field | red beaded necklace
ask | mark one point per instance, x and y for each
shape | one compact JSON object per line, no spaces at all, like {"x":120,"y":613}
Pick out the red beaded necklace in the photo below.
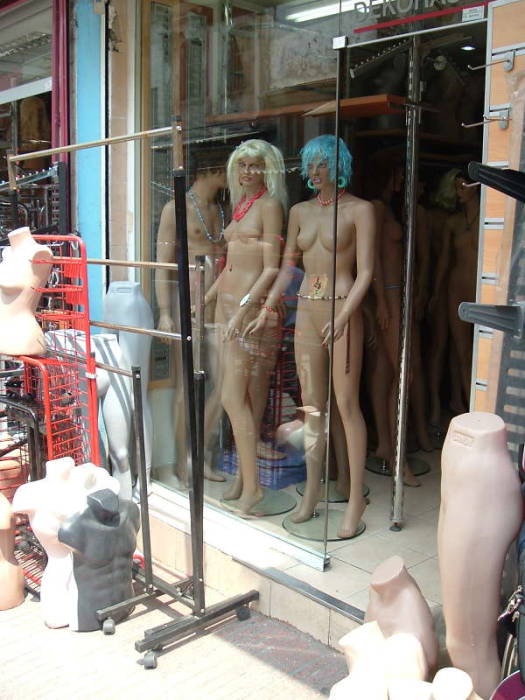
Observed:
{"x":327,"y":202}
{"x":242,"y":207}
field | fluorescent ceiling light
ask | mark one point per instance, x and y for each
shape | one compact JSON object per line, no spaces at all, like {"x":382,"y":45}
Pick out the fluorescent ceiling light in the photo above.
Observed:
{"x":326,"y":10}
{"x":468,"y":47}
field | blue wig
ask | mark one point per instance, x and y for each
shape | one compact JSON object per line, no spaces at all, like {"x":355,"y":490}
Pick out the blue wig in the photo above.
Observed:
{"x":322,"y":149}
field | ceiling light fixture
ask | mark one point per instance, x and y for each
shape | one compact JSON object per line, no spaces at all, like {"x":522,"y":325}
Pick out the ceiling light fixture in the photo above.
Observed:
{"x":468,"y":47}
{"x":310,"y":13}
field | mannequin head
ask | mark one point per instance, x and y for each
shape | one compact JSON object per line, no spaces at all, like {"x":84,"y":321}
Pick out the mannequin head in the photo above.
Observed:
{"x":445,"y":195}
{"x":322,"y":150}
{"x":259,"y":163}
{"x":208,"y":167}
{"x":464,"y":192}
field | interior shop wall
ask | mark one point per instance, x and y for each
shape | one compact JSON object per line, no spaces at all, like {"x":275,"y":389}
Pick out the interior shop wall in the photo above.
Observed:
{"x":88,"y":165}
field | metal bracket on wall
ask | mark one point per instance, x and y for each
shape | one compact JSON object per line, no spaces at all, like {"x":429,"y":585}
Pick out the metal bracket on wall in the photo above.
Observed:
{"x":503,"y":118}
{"x":507,"y":59}
{"x":339,"y":42}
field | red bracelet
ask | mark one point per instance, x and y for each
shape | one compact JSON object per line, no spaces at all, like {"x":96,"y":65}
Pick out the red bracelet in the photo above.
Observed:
{"x":270,"y":309}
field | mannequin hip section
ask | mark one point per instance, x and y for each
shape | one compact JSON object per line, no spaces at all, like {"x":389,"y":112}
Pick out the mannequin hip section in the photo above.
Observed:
{"x":313,"y":315}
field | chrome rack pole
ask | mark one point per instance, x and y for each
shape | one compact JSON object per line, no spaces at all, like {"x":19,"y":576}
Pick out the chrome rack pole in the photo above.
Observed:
{"x":412,"y":152}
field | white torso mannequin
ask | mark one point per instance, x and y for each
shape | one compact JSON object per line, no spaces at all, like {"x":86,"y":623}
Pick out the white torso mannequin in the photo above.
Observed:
{"x":48,"y":502}
{"x":114,"y":394}
{"x":21,"y":270}
{"x":480,"y":515}
{"x":11,"y":575}
{"x":125,"y":305}
{"x":397,"y":604}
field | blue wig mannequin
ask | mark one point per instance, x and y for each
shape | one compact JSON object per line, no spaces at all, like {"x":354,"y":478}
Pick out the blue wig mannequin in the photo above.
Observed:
{"x":322,"y":149}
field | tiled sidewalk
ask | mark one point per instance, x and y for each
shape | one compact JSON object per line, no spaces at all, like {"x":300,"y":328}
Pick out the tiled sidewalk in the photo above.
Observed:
{"x":259,"y":658}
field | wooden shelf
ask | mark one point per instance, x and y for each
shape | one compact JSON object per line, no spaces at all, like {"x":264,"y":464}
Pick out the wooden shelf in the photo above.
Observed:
{"x":351,"y":107}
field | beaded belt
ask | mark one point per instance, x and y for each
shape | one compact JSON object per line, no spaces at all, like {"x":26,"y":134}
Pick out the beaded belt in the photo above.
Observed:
{"x":313,"y":297}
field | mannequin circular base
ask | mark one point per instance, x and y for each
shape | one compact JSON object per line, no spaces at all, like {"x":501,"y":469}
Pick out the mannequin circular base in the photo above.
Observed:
{"x":314,"y":529}
{"x":418,"y":466}
{"x":377,"y":465}
{"x":333,"y":494}
{"x":273,"y":503}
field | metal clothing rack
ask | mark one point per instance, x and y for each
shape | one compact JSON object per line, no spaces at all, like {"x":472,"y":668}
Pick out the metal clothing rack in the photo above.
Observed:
{"x":189,"y":591}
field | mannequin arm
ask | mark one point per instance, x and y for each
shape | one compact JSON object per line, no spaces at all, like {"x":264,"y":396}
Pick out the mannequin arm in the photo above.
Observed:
{"x":378,"y":284}
{"x":364,"y":220}
{"x":423,"y":262}
{"x":443,"y":262}
{"x":166,"y":241}
{"x":284,"y":274}
{"x":272,"y":217}
{"x":212,"y":292}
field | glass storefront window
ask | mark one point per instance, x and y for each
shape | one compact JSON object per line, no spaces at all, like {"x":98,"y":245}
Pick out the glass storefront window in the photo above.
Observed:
{"x":286,"y":447}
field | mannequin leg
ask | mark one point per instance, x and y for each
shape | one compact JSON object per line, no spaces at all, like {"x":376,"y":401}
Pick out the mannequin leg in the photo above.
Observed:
{"x":381,"y":379}
{"x":117,"y":420}
{"x":311,"y":359}
{"x":461,"y":333}
{"x":181,"y":464}
{"x":337,"y":436}
{"x":346,"y":389}
{"x":236,"y":403}
{"x":439,"y":334}
{"x":213,"y":407}
{"x":417,"y":392}
{"x":480,"y":515}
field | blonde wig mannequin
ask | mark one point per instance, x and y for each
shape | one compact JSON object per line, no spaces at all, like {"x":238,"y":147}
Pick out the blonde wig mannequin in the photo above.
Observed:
{"x":273,"y":169}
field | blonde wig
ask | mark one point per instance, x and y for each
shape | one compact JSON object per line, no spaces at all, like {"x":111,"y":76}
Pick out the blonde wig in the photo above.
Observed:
{"x":273,"y":169}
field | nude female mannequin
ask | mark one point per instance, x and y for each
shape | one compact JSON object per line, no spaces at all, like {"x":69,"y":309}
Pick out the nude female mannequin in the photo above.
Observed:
{"x":310,"y":235}
{"x":458,"y":259}
{"x":205,"y":229}
{"x":387,"y":176}
{"x":125,"y":304}
{"x":49,"y":502}
{"x":11,"y":575}
{"x":480,"y":515}
{"x":397,"y":604}
{"x":25,"y":266}
{"x":255,"y":174}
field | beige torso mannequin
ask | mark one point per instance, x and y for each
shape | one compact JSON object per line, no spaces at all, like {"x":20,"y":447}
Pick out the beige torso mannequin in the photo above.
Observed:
{"x":203,"y":215}
{"x":11,"y":575}
{"x":453,"y":684}
{"x":21,"y":270}
{"x":481,"y":512}
{"x":398,"y":606}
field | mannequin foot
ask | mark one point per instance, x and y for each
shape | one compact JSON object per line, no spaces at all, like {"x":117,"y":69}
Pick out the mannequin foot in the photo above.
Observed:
{"x":351,"y":518}
{"x":409,"y":479}
{"x":248,"y":501}
{"x":380,"y":451}
{"x":235,"y":490}
{"x":342,"y":486}
{"x":266,"y":451}
{"x":212,"y":475}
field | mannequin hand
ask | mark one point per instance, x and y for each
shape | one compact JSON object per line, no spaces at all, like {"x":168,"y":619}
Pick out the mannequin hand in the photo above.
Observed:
{"x":340,"y":322}
{"x":382,"y":315}
{"x":166,"y":325}
{"x":257,"y":325}
{"x":233,"y":327}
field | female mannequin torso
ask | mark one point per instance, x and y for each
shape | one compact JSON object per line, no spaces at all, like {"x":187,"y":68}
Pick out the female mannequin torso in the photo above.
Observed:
{"x":22,"y":270}
{"x":11,"y":575}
